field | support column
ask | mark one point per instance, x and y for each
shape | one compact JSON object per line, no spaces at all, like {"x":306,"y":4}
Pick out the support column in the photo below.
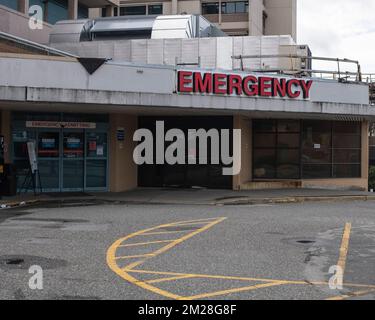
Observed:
{"x":365,"y":152}
{"x":23,"y":6}
{"x":123,"y":173}
{"x":109,"y":11}
{"x":245,"y":175}
{"x":174,"y":7}
{"x":73,"y":9}
{"x":5,"y":130}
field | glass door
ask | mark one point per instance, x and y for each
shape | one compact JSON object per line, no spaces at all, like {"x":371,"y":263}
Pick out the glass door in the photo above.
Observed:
{"x":48,"y":146}
{"x":73,"y":160}
{"x":96,"y":160}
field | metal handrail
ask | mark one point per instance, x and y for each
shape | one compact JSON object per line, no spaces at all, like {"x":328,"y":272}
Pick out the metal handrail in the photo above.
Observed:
{"x":358,"y":74}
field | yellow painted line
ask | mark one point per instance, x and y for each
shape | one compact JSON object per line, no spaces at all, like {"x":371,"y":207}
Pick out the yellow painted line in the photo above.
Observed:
{"x":168,"y":279}
{"x":195,"y":220}
{"x":163,"y":232}
{"x":344,"y":247}
{"x":111,"y":258}
{"x":354,"y":294}
{"x":210,"y":276}
{"x":135,"y":256}
{"x":144,"y":243}
{"x":235,"y":290}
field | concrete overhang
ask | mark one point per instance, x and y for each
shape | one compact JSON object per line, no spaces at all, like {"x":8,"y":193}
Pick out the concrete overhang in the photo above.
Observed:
{"x":53,"y":100}
{"x":99,"y":3}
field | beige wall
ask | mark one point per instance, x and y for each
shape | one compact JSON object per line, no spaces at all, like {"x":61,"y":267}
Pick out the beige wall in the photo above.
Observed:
{"x":122,"y":169}
{"x":282,"y":17}
{"x":256,"y":9}
{"x":240,"y":122}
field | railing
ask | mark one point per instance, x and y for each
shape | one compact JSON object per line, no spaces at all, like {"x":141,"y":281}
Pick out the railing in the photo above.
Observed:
{"x":370,"y":79}
{"x":339,"y":74}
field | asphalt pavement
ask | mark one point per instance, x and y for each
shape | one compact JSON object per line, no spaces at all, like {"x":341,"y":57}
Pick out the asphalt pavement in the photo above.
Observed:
{"x":100,"y":250}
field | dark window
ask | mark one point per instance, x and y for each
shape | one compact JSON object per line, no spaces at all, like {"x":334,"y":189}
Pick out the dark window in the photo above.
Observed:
{"x":331,"y":149}
{"x":235,"y":7}
{"x":210,"y":8}
{"x":134,"y":10}
{"x":9,"y":3}
{"x":155,"y":9}
{"x":83,"y":11}
{"x":283,"y":149}
{"x":276,"y":149}
{"x":57,"y":10}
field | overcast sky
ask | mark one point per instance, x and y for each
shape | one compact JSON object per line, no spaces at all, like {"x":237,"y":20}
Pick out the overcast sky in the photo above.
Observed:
{"x":339,"y":29}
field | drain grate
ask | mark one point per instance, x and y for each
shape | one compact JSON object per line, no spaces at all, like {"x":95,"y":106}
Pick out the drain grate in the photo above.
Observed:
{"x":306,"y":241}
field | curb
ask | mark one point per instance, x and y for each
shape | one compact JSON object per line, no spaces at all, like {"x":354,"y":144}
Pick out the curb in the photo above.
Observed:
{"x":229,"y":202}
{"x":298,"y":199}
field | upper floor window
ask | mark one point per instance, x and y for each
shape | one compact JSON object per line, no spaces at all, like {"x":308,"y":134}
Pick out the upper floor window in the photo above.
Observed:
{"x":155,"y":9}
{"x":210,"y":8}
{"x":9,"y":3}
{"x":235,"y":7}
{"x":226,"y":7}
{"x":133,"y":10}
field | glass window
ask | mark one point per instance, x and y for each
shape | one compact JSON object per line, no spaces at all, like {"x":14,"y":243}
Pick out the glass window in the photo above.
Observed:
{"x":276,"y":149}
{"x":57,"y":10}
{"x":235,"y":7}
{"x":133,"y":10}
{"x":316,"y":171}
{"x":264,"y":163}
{"x":96,"y":173}
{"x":48,"y":144}
{"x":210,"y":8}
{"x":83,"y":11}
{"x":288,"y":140}
{"x":155,"y":9}
{"x":9,"y":3}
{"x":49,"y":174}
{"x":73,"y":145}
{"x":73,"y":174}
{"x":96,"y":145}
{"x":332,"y":148}
{"x":346,"y":170}
{"x":264,"y":140}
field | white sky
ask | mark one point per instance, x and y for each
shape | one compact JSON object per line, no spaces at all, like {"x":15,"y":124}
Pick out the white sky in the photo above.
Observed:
{"x":339,"y":29}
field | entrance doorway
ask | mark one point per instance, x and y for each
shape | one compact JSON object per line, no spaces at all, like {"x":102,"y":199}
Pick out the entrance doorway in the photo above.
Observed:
{"x":69,"y":160}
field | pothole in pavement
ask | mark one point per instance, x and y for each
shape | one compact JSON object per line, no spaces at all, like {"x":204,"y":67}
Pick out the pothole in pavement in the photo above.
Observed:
{"x":306,"y":242}
{"x":25,"y":262}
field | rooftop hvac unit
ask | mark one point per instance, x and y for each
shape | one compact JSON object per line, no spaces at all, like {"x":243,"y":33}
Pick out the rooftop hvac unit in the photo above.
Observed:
{"x":296,"y":63}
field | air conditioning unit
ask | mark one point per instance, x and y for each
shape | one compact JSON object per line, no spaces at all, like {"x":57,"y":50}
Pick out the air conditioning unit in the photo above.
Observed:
{"x":293,"y":64}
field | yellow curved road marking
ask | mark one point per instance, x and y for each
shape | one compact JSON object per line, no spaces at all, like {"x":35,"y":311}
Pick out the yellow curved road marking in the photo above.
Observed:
{"x":125,"y":272}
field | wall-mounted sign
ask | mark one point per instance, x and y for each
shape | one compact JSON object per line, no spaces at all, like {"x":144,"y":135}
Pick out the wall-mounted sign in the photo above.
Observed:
{"x":246,"y":85}
{"x":120,"y":134}
{"x":60,"y":124}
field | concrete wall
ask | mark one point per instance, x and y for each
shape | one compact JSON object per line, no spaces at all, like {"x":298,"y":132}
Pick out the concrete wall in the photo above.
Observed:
{"x":17,"y":24}
{"x":282,"y":17}
{"x":256,"y":9}
{"x":123,"y":172}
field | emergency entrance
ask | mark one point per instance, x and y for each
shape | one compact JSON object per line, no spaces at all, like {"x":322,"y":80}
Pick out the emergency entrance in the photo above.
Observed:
{"x":71,"y":149}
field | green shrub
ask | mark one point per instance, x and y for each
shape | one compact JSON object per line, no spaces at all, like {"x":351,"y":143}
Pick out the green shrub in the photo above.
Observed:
{"x":371,"y":178}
